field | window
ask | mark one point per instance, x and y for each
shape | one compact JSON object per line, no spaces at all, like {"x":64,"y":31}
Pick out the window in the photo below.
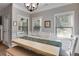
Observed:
{"x":36,"y":24}
{"x":23,"y":25}
{"x":64,"y":25}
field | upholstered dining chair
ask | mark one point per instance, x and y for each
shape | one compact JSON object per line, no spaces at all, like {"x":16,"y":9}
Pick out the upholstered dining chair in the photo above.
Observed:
{"x":71,"y":47}
{"x":74,"y":46}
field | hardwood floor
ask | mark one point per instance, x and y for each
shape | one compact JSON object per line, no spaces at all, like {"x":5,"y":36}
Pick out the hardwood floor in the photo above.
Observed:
{"x":20,"y":51}
{"x":3,"y":49}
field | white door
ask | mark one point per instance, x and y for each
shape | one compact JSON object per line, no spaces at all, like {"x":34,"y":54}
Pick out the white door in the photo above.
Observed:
{"x":5,"y":31}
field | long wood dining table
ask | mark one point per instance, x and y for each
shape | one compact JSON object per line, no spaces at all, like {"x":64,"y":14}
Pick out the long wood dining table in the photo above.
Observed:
{"x":41,"y":48}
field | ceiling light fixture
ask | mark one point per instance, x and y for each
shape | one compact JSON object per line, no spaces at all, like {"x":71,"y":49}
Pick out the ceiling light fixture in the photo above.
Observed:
{"x":31,"y":6}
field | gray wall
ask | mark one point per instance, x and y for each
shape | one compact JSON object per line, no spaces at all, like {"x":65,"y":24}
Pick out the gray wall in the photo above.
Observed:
{"x":15,"y":13}
{"x":7,"y":12}
{"x":49,"y":15}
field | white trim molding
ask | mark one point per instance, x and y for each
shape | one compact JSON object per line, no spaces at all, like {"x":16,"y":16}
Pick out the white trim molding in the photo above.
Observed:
{"x":63,"y":13}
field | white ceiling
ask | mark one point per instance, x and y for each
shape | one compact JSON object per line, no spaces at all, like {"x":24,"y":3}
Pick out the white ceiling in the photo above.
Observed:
{"x":3,"y":5}
{"x":41,"y":7}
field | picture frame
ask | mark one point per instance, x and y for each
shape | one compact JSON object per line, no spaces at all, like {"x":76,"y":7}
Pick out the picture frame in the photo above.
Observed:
{"x":47,"y":24}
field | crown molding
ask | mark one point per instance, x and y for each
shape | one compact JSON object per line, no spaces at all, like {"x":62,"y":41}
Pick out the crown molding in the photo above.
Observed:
{"x":37,"y":11}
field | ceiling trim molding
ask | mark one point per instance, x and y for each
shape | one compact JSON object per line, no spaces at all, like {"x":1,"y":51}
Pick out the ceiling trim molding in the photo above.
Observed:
{"x":18,"y":7}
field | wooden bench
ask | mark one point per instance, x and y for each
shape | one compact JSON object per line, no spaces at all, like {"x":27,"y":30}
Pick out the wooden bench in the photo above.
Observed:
{"x":19,"y":51}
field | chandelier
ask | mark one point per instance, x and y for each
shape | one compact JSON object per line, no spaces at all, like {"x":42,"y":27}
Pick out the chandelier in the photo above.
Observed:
{"x":31,"y":6}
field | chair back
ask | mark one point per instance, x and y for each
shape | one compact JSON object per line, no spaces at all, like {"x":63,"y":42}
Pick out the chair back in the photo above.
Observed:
{"x":73,"y":47}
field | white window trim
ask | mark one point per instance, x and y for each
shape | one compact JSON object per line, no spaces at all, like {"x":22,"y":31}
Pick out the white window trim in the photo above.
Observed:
{"x":38,"y":18}
{"x":63,"y":13}
{"x":26,"y":17}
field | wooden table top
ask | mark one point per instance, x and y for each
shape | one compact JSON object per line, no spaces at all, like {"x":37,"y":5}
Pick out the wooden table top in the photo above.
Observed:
{"x":37,"y":47}
{"x":19,"y":51}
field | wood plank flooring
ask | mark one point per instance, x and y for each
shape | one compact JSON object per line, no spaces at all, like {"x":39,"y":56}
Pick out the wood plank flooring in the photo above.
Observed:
{"x":3,"y":49}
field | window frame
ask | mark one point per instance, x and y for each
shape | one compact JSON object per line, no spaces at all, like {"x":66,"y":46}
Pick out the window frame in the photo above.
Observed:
{"x":60,"y":14}
{"x":64,"y":27}
{"x":36,"y":19}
